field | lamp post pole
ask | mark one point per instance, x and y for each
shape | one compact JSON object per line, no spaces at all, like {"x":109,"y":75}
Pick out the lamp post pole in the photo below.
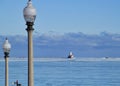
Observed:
{"x":29,"y":13}
{"x":6,"y":70}
{"x":30,"y":55}
{"x":6,"y":48}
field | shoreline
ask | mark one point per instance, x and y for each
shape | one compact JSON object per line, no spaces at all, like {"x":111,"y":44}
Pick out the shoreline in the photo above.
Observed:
{"x":62,"y":59}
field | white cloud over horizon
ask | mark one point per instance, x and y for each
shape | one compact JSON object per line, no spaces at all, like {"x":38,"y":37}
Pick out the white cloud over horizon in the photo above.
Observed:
{"x":58,"y":45}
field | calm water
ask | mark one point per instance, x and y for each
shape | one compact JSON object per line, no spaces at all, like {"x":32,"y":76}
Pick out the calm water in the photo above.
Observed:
{"x":65,"y":73}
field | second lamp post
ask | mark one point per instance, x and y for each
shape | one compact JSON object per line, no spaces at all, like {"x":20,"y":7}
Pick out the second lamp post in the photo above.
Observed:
{"x":6,"y":48}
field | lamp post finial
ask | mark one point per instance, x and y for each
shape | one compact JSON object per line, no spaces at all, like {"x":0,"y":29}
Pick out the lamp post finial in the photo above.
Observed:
{"x":6,"y":38}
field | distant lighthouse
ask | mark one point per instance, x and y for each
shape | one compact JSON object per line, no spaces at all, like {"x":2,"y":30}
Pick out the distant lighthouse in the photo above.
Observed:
{"x":70,"y":55}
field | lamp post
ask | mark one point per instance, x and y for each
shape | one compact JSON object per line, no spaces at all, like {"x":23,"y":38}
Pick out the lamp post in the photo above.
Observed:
{"x":6,"y":49}
{"x":29,"y":13}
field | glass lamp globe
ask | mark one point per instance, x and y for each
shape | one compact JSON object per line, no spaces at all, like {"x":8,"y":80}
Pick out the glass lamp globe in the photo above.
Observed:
{"x":29,"y":12}
{"x":6,"y":46}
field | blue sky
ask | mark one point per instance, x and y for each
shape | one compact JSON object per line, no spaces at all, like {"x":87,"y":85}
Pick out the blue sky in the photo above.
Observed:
{"x":62,"y":16}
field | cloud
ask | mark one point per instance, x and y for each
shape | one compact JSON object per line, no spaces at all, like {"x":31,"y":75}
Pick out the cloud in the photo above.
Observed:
{"x":103,"y":44}
{"x":53,"y":44}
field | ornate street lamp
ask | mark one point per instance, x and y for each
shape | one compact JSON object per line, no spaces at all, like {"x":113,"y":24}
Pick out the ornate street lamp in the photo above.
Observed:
{"x":6,"y":49}
{"x":29,"y":13}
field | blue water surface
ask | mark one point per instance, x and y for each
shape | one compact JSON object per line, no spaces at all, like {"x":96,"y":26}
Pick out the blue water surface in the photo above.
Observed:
{"x":64,"y":73}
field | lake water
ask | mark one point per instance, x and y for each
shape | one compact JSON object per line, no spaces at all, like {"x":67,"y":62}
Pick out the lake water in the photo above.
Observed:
{"x":64,"y":73}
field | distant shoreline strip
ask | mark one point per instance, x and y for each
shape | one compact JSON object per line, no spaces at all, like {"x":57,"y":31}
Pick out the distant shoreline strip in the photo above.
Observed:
{"x":63,"y":59}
